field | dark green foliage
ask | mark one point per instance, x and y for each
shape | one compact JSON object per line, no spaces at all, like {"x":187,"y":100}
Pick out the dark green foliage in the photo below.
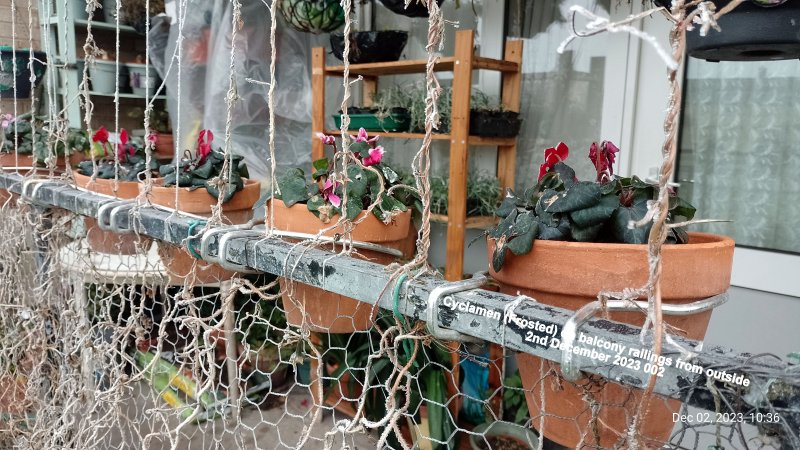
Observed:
{"x":32,"y":136}
{"x":196,"y":172}
{"x":561,"y":208}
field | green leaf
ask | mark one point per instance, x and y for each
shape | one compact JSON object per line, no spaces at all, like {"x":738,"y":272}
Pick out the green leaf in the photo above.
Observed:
{"x":320,"y":167}
{"x":293,"y":187}
{"x":357,"y":183}
{"x":388,"y":205}
{"x":559,"y":232}
{"x":681,"y":236}
{"x":596,"y":214}
{"x":204,"y":171}
{"x":314,"y":203}
{"x":585,"y":234}
{"x":680,"y":209}
{"x":166,"y":169}
{"x":354,"y":208}
{"x":624,"y":215}
{"x":504,"y":226}
{"x":389,"y":174}
{"x":581,"y":195}
{"x":551,"y":180}
{"x":522,"y":244}
{"x":509,"y":204}
{"x":565,"y":174}
{"x":499,"y":256}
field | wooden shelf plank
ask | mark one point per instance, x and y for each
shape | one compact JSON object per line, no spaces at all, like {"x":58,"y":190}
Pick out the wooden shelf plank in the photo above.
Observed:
{"x":395,"y":135}
{"x":477,"y":222}
{"x":495,"y":64}
{"x":405,"y":67}
{"x":473,"y":140}
{"x":402,"y":67}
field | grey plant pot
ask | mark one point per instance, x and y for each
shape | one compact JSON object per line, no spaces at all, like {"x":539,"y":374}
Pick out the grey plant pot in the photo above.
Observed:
{"x":525,"y":436}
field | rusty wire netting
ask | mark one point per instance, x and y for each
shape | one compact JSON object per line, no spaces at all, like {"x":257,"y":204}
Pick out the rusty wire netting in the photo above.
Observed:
{"x":106,"y":350}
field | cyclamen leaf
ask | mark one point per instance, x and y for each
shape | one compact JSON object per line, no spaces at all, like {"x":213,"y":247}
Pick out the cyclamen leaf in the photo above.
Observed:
{"x":321,"y":167}
{"x":565,"y":174}
{"x":560,"y":232}
{"x":622,"y":217}
{"x":505,"y":225}
{"x":498,"y":257}
{"x":581,"y":195}
{"x":681,"y":210}
{"x":293,"y":187}
{"x":585,"y":234}
{"x":522,"y":244}
{"x":509,"y":204}
{"x":596,"y":214}
{"x":388,"y":173}
{"x":356,"y":184}
{"x":204,"y":171}
{"x":354,"y":208}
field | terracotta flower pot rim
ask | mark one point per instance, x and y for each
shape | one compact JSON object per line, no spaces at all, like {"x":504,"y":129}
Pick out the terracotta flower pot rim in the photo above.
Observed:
{"x":706,"y":240}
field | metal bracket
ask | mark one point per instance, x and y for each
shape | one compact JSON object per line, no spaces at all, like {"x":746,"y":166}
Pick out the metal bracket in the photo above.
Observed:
{"x":477,"y":280}
{"x":114,"y":221}
{"x":104,"y":214}
{"x":222,"y":251}
{"x":208,"y":235}
{"x":570,"y":331}
{"x":31,"y":186}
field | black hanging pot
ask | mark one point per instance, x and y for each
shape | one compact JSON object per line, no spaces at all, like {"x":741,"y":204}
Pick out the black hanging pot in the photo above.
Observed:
{"x":417,"y":8}
{"x":758,"y":30}
{"x":370,"y":46}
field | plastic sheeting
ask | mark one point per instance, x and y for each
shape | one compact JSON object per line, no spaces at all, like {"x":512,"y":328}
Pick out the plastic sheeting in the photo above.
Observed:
{"x":199,"y":87}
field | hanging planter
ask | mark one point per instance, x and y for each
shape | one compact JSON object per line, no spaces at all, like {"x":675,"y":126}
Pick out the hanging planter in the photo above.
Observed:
{"x":309,"y":207}
{"x":536,"y":258}
{"x":312,"y":16}
{"x":325,"y":311}
{"x":414,"y":9}
{"x":120,"y":181}
{"x":370,"y":46}
{"x":197,"y":192}
{"x":758,"y":30}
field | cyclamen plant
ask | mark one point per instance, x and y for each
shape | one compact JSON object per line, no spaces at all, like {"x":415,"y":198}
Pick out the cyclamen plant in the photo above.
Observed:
{"x":131,"y":157}
{"x":323,"y":195}
{"x":560,"y":207}
{"x":203,"y":169}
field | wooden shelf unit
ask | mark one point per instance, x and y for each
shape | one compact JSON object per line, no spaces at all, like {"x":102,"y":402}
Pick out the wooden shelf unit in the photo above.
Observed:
{"x":461,"y":64}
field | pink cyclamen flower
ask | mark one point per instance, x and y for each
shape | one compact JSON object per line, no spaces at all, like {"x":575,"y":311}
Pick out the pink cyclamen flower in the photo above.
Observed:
{"x":152,"y":137}
{"x":8,"y":119}
{"x":329,"y":194}
{"x":374,"y":157}
{"x":326,"y":139}
{"x":552,"y":156}
{"x":362,"y":136}
{"x":204,"y":144}
{"x":603,"y":158}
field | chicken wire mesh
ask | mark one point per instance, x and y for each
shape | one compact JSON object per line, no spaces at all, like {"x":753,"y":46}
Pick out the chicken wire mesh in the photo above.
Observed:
{"x":120,"y":349}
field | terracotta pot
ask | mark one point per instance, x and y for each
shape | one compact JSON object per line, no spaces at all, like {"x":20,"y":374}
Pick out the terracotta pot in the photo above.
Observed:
{"x":325,"y":311}
{"x":165,"y":147}
{"x":570,"y":274}
{"x":181,"y":266}
{"x":108,"y":242}
{"x":12,"y":161}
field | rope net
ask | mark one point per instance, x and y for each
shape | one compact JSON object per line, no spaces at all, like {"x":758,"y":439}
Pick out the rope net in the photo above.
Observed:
{"x":118,"y":341}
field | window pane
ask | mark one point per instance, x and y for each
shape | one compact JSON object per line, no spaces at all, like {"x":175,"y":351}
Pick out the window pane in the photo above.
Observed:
{"x":740,"y":150}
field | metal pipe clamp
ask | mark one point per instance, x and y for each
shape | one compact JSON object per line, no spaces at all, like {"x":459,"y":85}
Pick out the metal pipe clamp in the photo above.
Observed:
{"x":222,"y":251}
{"x":570,"y":331}
{"x":477,"y":280}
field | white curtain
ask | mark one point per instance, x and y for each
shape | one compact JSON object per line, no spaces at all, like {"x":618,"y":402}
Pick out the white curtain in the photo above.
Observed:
{"x":562,"y":95}
{"x":740,"y":150}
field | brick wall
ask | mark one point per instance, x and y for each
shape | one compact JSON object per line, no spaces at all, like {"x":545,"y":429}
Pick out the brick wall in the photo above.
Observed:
{"x":27,"y":36}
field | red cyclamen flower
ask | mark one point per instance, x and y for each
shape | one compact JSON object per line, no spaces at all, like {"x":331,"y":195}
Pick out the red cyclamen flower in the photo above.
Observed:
{"x":552,"y":156}
{"x":603,"y":159}
{"x":101,"y":135}
{"x":204,"y":144}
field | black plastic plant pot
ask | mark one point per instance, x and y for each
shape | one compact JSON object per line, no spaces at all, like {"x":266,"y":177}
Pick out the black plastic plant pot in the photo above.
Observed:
{"x":750,"y":32}
{"x":415,"y":9}
{"x":21,"y":73}
{"x":370,"y":46}
{"x":494,"y":123}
